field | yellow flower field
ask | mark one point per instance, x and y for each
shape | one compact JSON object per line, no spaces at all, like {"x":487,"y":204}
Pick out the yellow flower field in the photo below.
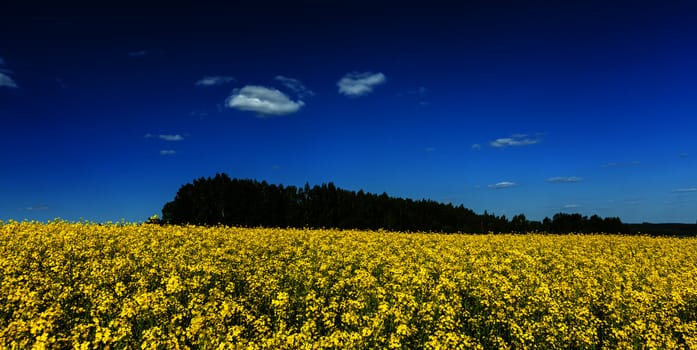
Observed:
{"x":79,"y":285}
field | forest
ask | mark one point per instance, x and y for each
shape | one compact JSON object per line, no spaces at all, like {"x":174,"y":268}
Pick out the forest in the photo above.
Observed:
{"x":221,"y":200}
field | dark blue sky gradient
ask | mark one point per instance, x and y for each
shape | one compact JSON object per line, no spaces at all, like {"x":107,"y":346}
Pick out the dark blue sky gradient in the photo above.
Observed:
{"x":510,"y":107}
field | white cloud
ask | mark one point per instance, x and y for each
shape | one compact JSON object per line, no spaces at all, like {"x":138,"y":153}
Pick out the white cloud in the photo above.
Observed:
{"x":167,"y":152}
{"x":198,"y":114}
{"x":571,"y":206}
{"x":564,"y":179}
{"x":502,"y":185}
{"x":622,"y":164}
{"x":420,"y":93}
{"x":295,"y":85}
{"x":690,"y":189}
{"x":6,"y":81}
{"x":40,"y":207}
{"x":359,"y":84}
{"x":514,"y":141}
{"x":175,"y":137}
{"x":634,"y":201}
{"x":263,"y":100}
{"x":214,"y":80}
{"x":476,"y":147}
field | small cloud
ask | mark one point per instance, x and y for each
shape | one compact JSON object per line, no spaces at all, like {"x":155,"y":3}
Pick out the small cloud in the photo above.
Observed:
{"x":634,"y":201}
{"x":214,"y":80}
{"x":6,"y":81}
{"x":564,"y":179}
{"x":684,"y":155}
{"x":571,"y":206}
{"x":263,"y":100}
{"x":167,"y":152}
{"x":622,"y":164}
{"x":502,"y":185}
{"x":140,"y":53}
{"x":430,"y":149}
{"x":358,"y":84}
{"x":420,"y":93}
{"x":39,"y":207}
{"x":295,"y":85}
{"x":515,"y":140}
{"x":61,"y":83}
{"x":198,"y":114}
{"x":176,"y":137}
{"x":476,"y":147}
{"x":684,"y":190}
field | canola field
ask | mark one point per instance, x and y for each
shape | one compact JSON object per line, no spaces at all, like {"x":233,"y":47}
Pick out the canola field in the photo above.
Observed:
{"x":87,"y":286}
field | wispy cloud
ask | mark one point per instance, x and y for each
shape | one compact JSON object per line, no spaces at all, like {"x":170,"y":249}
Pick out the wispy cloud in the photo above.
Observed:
{"x":214,"y":80}
{"x":684,"y":155}
{"x":176,"y":137}
{"x":634,"y":201}
{"x":40,"y":207}
{"x":430,"y":149}
{"x":198,"y":114}
{"x":622,"y":164}
{"x":166,"y":137}
{"x":476,"y":147}
{"x":420,"y":93}
{"x":61,"y":83}
{"x":571,"y":206}
{"x":295,"y":85}
{"x":358,"y":84}
{"x":564,"y":179}
{"x":139,"y":53}
{"x":683,"y":190}
{"x":515,"y":140}
{"x":6,"y":81}
{"x":167,"y":152}
{"x":502,"y":185}
{"x":262,"y":100}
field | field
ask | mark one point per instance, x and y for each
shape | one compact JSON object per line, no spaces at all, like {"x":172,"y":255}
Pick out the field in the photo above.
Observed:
{"x":79,"y":285}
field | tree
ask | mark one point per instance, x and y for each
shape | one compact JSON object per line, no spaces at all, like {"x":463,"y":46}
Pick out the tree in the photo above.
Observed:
{"x":519,"y":223}
{"x":241,"y":202}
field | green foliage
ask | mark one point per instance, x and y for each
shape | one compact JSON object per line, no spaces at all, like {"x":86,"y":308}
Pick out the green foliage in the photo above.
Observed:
{"x":239,"y":202}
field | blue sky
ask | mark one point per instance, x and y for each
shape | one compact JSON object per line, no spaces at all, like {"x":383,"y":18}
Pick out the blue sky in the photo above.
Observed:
{"x":509,"y":107}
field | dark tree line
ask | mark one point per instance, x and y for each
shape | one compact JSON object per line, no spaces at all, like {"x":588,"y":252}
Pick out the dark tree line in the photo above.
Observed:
{"x":236,"y":202}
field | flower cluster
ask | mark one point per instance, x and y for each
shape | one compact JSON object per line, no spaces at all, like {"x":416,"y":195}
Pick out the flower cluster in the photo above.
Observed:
{"x":81,"y":285}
